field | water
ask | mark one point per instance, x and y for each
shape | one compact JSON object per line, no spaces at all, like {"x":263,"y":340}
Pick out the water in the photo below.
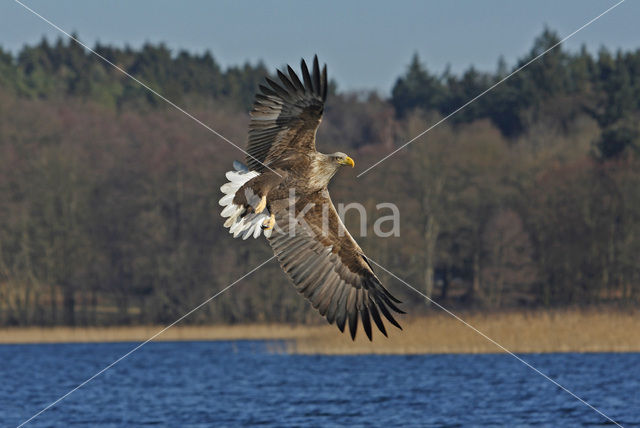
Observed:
{"x":201,"y":384}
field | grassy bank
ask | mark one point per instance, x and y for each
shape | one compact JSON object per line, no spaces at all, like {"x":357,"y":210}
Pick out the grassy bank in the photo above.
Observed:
{"x":540,"y":331}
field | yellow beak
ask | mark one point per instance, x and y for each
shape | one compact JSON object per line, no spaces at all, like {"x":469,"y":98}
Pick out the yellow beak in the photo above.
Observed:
{"x":348,"y":161}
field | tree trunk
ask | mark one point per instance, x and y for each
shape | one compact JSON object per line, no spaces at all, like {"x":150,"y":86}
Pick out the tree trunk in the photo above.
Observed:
{"x":69,"y":305}
{"x":431,"y":231}
{"x":445,"y":284}
{"x":54,"y":305}
{"x":474,"y":292}
{"x":123,"y":308}
{"x":94,"y":307}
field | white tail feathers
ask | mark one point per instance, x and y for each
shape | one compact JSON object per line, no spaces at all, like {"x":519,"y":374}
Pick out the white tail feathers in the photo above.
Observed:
{"x":250,"y":224}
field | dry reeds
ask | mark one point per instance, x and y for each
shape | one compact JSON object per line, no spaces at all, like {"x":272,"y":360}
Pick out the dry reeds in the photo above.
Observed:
{"x":539,"y":331}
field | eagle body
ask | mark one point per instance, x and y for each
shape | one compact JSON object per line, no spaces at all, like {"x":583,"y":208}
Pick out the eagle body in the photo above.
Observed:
{"x":282,"y":193}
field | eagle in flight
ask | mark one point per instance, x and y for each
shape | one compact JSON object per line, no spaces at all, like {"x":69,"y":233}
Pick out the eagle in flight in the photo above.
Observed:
{"x":282,"y":193}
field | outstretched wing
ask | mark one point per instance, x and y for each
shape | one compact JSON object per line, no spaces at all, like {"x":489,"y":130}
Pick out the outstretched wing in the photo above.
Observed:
{"x":286,"y":115}
{"x":328,"y":267}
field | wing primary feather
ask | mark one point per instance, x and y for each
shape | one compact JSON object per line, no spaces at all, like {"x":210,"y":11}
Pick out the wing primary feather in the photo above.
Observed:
{"x":377,"y":281}
{"x":306,"y":76}
{"x":284,"y":79}
{"x":387,"y":314}
{"x":316,"y":76}
{"x":366,"y":321}
{"x":364,"y":314}
{"x":324,"y":83}
{"x":376,"y":317}
{"x":267,"y":91}
{"x":294,"y":78}
{"x":391,"y":305}
{"x":279,"y":89}
{"x":388,"y":294}
{"x":353,"y":322}
{"x":340,"y":322}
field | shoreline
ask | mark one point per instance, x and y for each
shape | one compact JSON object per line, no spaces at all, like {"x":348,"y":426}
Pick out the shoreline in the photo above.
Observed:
{"x":522,"y":332}
{"x":139,"y":333}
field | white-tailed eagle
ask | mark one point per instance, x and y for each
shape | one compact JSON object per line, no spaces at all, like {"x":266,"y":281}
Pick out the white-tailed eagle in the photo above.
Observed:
{"x":282,"y":192}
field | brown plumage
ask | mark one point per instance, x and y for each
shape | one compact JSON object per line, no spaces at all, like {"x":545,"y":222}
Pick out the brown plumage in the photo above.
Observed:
{"x":310,"y":241}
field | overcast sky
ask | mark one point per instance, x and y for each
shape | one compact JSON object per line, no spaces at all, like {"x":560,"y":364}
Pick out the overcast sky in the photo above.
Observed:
{"x":365,"y":44}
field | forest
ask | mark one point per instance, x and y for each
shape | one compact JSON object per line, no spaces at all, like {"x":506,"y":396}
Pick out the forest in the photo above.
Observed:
{"x":526,"y":198}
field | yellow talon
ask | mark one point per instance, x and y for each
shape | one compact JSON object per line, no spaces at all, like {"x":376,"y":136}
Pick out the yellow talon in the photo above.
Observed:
{"x":261,"y":205}
{"x":269,"y":223}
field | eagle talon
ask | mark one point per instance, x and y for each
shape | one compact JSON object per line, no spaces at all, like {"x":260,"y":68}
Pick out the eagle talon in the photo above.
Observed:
{"x":269,"y":223}
{"x":261,"y":205}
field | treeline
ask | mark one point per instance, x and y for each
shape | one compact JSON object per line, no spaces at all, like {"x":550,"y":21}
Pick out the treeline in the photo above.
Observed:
{"x":551,"y":91}
{"x":65,"y":69}
{"x":527,"y":197}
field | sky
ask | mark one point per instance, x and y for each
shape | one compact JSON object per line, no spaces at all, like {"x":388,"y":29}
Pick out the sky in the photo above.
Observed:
{"x":366,"y":45}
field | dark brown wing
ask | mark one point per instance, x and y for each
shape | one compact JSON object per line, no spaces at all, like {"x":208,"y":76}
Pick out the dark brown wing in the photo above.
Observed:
{"x":286,"y":115}
{"x":329,"y":268}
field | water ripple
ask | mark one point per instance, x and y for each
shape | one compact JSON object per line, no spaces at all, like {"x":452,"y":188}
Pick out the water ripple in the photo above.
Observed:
{"x":240,"y":383}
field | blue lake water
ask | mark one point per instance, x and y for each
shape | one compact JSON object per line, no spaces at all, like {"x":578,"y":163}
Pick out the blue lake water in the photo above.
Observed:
{"x":201,"y":384}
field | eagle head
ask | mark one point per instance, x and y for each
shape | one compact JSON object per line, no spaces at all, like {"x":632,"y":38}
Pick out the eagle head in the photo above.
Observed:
{"x":323,"y":167}
{"x":342,"y":159}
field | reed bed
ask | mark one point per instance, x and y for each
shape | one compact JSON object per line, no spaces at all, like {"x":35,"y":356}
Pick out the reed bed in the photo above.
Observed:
{"x":540,"y":331}
{"x":522,"y":332}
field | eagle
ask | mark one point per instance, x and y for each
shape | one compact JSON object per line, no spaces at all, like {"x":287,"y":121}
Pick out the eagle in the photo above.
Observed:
{"x":282,"y":193}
